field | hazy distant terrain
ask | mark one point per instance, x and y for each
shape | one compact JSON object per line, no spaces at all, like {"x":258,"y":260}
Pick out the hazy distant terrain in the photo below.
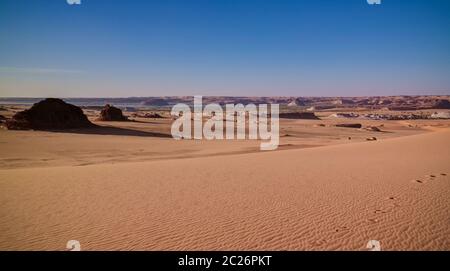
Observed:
{"x":319,"y":103}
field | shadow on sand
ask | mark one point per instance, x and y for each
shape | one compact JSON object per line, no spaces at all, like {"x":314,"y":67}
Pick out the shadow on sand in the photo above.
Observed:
{"x":107,"y":130}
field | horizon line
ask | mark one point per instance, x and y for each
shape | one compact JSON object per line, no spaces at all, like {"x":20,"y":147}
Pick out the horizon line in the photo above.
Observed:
{"x":226,"y":96}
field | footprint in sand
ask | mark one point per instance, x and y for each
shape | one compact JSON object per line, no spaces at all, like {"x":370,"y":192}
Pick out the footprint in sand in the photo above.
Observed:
{"x":340,"y":229}
{"x":379,"y":211}
{"x":443,"y":174}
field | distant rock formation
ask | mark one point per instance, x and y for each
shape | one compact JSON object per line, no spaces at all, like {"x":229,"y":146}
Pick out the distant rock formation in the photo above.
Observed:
{"x":342,"y":102}
{"x":292,"y":103}
{"x":49,"y":114}
{"x":148,"y":115}
{"x":300,"y":102}
{"x":345,"y":115}
{"x":156,"y":102}
{"x":403,"y":108}
{"x":153,"y":116}
{"x":111,"y":113}
{"x":297,"y":102}
{"x":130,"y":109}
{"x":384,"y":102}
{"x":440,"y":115}
{"x":299,"y":115}
{"x":441,"y":104}
{"x":349,"y":125}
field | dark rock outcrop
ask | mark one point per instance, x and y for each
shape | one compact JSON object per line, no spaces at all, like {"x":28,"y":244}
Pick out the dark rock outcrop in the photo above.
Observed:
{"x":299,"y":115}
{"x":349,"y":125}
{"x":111,"y":113}
{"x":49,"y":114}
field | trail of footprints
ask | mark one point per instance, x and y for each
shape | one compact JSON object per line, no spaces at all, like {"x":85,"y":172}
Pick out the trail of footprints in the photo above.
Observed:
{"x":429,"y":178}
{"x":392,"y":202}
{"x":390,"y":205}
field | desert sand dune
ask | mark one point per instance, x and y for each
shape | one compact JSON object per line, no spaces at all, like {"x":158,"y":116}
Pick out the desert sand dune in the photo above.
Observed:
{"x":333,"y":197}
{"x":150,"y":140}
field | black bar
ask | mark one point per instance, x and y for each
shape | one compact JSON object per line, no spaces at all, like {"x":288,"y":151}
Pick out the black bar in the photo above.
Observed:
{"x":263,"y":261}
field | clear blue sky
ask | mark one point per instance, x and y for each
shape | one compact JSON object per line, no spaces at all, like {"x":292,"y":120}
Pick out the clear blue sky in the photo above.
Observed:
{"x":125,"y":48}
